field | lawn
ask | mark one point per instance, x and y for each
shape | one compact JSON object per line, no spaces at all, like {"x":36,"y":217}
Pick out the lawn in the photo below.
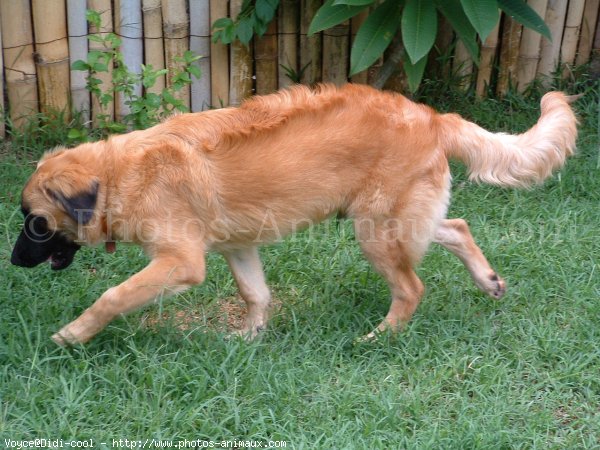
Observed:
{"x":469,"y":372}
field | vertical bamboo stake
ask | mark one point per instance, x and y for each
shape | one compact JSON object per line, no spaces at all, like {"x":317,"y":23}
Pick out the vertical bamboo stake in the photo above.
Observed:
{"x":200,"y":45}
{"x":78,"y":50}
{"x":176,"y":32}
{"x":104,"y":8}
{"x":2,"y":110}
{"x":549,"y":57}
{"x":462,"y":64}
{"x":486,"y":63}
{"x":288,"y":40}
{"x":568,"y":48}
{"x":588,"y":25}
{"x":529,"y":53}
{"x":52,"y":55}
{"x":595,"y":58}
{"x":128,"y":14}
{"x":219,"y":60}
{"x":310,"y":46}
{"x":240,"y":80}
{"x":154,"y":52}
{"x":265,"y":58}
{"x":355,"y":24}
{"x":21,"y":80}
{"x":335,"y":53}
{"x":509,"y":54}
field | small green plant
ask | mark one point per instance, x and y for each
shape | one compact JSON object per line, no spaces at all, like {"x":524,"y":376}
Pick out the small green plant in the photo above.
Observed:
{"x":254,"y":18}
{"x":294,"y":75}
{"x":144,"y":110}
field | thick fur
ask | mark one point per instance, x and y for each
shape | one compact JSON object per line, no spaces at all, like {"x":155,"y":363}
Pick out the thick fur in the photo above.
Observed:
{"x":229,"y":180}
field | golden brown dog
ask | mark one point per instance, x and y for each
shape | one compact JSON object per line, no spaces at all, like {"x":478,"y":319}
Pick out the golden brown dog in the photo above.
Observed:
{"x":229,"y":180}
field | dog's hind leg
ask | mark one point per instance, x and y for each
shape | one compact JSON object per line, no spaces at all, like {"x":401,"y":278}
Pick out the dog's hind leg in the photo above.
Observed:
{"x":394,"y":259}
{"x":248,"y":273}
{"x":166,"y":274}
{"x":454,"y":234}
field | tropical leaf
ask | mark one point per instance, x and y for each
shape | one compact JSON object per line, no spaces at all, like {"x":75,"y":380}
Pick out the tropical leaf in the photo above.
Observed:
{"x":353,"y":2}
{"x":419,"y":27}
{"x":414,"y":72}
{"x":374,"y":35}
{"x":523,"y":13}
{"x":330,"y":15}
{"x":483,"y":15}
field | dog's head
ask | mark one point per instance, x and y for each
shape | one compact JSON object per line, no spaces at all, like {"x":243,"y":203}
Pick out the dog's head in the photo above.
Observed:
{"x":58,"y":200}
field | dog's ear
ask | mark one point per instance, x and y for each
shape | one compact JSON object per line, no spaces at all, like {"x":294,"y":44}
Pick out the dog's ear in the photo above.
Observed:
{"x":75,"y":191}
{"x":80,"y":207}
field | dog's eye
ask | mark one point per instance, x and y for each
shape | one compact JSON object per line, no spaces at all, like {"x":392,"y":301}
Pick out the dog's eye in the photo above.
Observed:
{"x":36,"y":225}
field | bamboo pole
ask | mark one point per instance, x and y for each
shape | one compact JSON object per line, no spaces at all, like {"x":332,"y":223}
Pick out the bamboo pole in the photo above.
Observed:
{"x":568,"y":47}
{"x":2,"y":110}
{"x":129,"y":27}
{"x":550,"y":54}
{"x":240,"y":79}
{"x":335,"y":53}
{"x":104,"y":8}
{"x":219,"y":60}
{"x":509,"y":54}
{"x":21,"y":80}
{"x":78,"y":50}
{"x":154,"y":51}
{"x":265,"y":59}
{"x":595,"y":57}
{"x":311,"y":56}
{"x":51,"y":55}
{"x":176,"y":32}
{"x":588,"y":25}
{"x":486,"y":61}
{"x":462,"y":65}
{"x":200,"y":45}
{"x":288,"y":21}
{"x":355,"y":24}
{"x":529,"y":53}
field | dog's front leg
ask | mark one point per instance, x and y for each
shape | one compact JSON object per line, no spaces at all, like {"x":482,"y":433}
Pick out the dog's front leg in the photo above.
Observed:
{"x":248,"y":273}
{"x":165,"y":275}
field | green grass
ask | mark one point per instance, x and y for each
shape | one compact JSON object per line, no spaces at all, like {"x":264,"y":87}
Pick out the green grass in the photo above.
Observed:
{"x":469,"y":372}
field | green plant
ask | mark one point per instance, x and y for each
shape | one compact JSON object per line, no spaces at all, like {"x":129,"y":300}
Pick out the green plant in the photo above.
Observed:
{"x":144,"y":110}
{"x":414,"y":20}
{"x":294,"y":75}
{"x":254,"y":18}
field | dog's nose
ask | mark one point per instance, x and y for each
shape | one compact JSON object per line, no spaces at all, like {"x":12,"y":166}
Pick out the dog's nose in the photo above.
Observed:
{"x":15,"y":259}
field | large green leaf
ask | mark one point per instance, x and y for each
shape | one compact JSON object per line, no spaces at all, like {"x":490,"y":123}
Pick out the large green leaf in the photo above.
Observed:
{"x":414,"y":72}
{"x":483,"y":14}
{"x":374,"y":35}
{"x":330,"y":15}
{"x":452,"y":10}
{"x":522,"y":13}
{"x":353,"y":2}
{"x":419,"y":27}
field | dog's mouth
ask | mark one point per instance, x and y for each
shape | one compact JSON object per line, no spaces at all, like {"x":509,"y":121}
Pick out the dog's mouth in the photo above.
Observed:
{"x":59,"y":260}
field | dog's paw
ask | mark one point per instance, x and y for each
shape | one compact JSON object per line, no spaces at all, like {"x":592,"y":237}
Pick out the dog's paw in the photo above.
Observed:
{"x":64,"y":338}
{"x":373,"y":336}
{"x":247,"y":333}
{"x":493,"y":285}
{"x":71,"y":334}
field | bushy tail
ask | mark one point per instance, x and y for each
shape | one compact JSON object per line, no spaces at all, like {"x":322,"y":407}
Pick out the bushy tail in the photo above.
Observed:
{"x":514,"y":160}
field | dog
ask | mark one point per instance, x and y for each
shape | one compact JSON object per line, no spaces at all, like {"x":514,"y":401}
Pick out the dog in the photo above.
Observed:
{"x":229,"y":180}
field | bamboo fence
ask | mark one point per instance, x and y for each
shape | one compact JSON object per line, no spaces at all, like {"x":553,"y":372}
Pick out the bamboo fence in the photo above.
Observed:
{"x":40,"y":39}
